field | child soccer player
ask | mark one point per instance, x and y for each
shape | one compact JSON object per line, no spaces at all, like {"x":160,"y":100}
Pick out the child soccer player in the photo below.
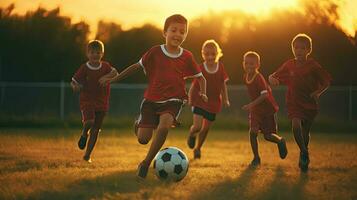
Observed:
{"x":204,"y":113}
{"x":306,"y":81}
{"x":94,"y":98}
{"x":262,"y":107}
{"x":166,"y":67}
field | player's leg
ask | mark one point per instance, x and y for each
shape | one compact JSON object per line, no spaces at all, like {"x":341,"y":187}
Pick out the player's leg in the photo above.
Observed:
{"x":145,"y":135}
{"x":269,"y":128}
{"x":254,"y":129}
{"x":202,"y":135}
{"x":306,"y":127}
{"x":87,"y":120}
{"x":194,"y":129}
{"x":147,"y":122}
{"x":253,"y":137}
{"x":298,"y":135}
{"x":165,"y":124}
{"x":93,"y":133}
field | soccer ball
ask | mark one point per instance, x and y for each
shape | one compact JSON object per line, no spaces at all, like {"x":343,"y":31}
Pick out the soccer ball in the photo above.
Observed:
{"x":171,"y":164}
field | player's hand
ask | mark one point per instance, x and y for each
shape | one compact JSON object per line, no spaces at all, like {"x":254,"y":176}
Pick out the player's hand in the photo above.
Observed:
{"x":226,"y":103}
{"x":273,"y":81}
{"x":247,"y":107}
{"x":103,"y":81}
{"x":204,"y":97}
{"x":76,"y":87}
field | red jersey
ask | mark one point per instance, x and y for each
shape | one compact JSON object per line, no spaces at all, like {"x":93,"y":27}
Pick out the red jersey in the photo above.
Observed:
{"x":214,"y":84}
{"x":167,"y":73}
{"x":259,"y":86}
{"x":92,"y":95}
{"x":301,"y":82}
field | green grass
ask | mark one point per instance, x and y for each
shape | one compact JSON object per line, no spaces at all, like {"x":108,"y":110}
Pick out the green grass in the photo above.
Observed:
{"x":46,"y":164}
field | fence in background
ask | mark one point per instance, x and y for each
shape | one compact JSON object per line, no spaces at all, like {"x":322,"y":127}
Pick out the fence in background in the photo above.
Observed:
{"x":57,"y":100}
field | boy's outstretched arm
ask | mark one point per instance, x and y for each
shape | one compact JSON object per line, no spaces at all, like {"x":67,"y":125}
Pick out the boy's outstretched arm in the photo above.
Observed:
{"x":126,"y":72}
{"x":256,"y":101}
{"x":316,"y":94}
{"x":273,"y":81}
{"x":224,"y":93}
{"x":106,"y":78}
{"x":202,"y":82}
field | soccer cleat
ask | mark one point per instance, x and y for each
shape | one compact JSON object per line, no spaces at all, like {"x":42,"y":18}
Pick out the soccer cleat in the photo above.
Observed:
{"x":283,"y":151}
{"x":142,"y":170}
{"x":82,"y":142}
{"x":255,"y":162}
{"x":191,"y":141}
{"x":87,"y":158}
{"x":196,"y":154}
{"x":304,"y":162}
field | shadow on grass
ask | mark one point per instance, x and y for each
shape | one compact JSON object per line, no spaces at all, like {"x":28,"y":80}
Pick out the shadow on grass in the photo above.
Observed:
{"x":120,"y":185}
{"x":279,"y":188}
{"x":232,"y":189}
{"x":282,"y":188}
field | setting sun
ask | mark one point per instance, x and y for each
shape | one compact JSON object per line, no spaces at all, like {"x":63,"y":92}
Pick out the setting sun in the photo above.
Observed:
{"x":137,"y":12}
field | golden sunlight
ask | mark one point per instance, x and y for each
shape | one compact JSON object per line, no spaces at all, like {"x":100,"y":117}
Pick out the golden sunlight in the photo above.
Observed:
{"x":137,"y":12}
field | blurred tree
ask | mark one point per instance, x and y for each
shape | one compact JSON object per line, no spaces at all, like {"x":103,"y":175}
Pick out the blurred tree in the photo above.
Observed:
{"x":45,"y":46}
{"x":40,"y":46}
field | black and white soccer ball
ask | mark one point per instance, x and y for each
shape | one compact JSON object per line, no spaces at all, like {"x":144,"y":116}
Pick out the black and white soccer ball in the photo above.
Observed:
{"x":171,"y":164}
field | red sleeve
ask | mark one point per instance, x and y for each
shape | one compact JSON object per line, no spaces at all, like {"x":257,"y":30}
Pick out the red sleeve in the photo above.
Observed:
{"x":225,"y":75}
{"x":108,"y":68}
{"x":261,"y":84}
{"x":282,"y":74}
{"x":321,"y":74}
{"x":80,"y":74}
{"x":192,"y":69}
{"x":145,"y":60}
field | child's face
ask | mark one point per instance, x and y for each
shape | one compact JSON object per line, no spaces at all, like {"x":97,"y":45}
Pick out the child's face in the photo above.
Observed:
{"x":175,"y":34}
{"x":94,"y":55}
{"x":300,"y":50}
{"x":209,"y":54}
{"x":250,"y":64}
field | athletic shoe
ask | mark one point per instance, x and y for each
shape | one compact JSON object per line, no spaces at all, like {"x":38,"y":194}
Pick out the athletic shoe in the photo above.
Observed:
{"x":191,"y":141}
{"x":304,"y":162}
{"x":196,"y":154}
{"x":142,"y":170}
{"x":255,"y":162}
{"x":82,"y":142}
{"x":87,"y":158}
{"x":283,"y":151}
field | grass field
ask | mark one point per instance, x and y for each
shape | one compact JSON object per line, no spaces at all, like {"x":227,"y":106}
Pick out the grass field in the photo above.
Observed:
{"x":46,"y":164}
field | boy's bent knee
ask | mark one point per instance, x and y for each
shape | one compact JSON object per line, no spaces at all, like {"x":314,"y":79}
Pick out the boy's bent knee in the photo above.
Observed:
{"x":143,"y":140}
{"x":195,"y":128}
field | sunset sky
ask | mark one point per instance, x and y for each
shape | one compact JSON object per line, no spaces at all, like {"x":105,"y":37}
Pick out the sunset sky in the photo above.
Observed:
{"x":137,"y":12}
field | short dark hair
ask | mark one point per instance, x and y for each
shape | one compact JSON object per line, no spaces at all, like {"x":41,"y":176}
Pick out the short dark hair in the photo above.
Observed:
{"x":177,"y":18}
{"x":303,"y":38}
{"x":95,"y":45}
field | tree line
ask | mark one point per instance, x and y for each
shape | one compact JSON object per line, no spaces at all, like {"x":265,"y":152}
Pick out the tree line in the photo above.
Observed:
{"x":45,"y":46}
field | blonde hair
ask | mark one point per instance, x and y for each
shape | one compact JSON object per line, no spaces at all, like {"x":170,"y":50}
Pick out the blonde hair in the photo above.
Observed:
{"x":303,"y":38}
{"x":213,"y":43}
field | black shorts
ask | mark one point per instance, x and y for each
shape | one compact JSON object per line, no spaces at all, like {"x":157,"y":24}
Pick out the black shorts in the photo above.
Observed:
{"x":205,"y":114}
{"x":150,"y":112}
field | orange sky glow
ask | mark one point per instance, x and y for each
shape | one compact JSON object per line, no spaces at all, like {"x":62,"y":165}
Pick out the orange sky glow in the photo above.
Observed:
{"x":134,"y":13}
